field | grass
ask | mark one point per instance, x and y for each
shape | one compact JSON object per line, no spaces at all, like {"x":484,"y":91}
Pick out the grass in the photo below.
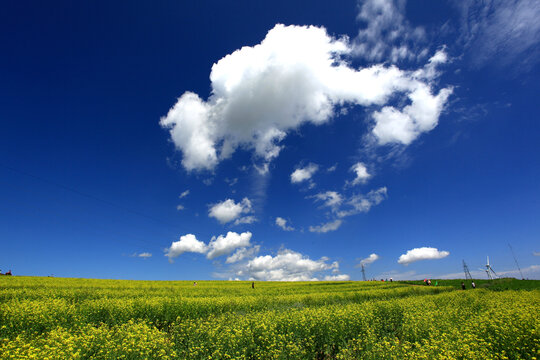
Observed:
{"x":54,"y":318}
{"x":501,"y":284}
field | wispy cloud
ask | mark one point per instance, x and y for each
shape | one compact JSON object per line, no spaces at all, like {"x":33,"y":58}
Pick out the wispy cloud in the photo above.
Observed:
{"x":386,"y":35}
{"x":331,"y":199}
{"x":501,"y":32}
{"x":282,"y":223}
{"x":326,"y":227}
{"x":361,"y":203}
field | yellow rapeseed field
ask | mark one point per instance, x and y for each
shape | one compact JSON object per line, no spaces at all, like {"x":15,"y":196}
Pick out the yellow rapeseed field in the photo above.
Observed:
{"x":48,"y":318}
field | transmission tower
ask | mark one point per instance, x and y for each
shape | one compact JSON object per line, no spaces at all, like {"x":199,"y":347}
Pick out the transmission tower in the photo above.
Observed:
{"x":466,"y":270}
{"x":364,"y":273}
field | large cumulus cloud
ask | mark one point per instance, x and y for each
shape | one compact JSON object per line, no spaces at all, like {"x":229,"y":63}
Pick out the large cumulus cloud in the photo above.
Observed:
{"x":296,"y":75}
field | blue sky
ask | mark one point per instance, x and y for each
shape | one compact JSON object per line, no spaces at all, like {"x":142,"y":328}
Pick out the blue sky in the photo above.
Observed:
{"x":269,"y":141}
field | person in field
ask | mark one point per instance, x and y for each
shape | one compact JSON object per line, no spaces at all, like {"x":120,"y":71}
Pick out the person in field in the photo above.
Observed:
{"x":473,"y":285}
{"x":253,"y":284}
{"x":462,"y":285}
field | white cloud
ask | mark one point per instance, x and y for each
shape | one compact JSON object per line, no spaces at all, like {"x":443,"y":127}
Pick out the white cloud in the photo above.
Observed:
{"x":331,"y":199}
{"x":245,"y":220}
{"x":282,"y":223}
{"x":218,"y":246}
{"x":296,"y":75}
{"x":187,"y":243}
{"x":326,"y":227}
{"x":287,"y":265}
{"x":536,"y":253}
{"x":184,"y":194}
{"x":370,"y":259}
{"x":423,"y":253}
{"x":332,"y":168}
{"x":303,"y":174}
{"x":243,"y":253}
{"x":179,"y":207}
{"x":404,"y":126}
{"x":346,"y":207}
{"x":361,"y":172}
{"x":223,"y":245}
{"x":228,"y":211}
{"x":504,"y":32}
{"x":386,"y":34}
{"x":341,"y":277}
{"x":144,"y":255}
{"x":363,"y":203}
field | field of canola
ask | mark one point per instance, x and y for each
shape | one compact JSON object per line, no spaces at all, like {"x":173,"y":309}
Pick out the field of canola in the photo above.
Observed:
{"x":49,"y":318}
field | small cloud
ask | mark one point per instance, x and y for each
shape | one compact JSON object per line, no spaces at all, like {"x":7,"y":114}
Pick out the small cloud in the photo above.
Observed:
{"x":423,"y":253}
{"x":184,"y":194}
{"x":187,"y":243}
{"x":180,"y":207}
{"x":228,"y":211}
{"x":303,"y":174}
{"x":536,"y":253}
{"x":326,"y":227}
{"x":369,"y":260}
{"x":332,"y":168}
{"x":361,"y":172}
{"x":282,"y":223}
{"x":245,"y":220}
{"x":143,"y":255}
{"x":231,"y":182}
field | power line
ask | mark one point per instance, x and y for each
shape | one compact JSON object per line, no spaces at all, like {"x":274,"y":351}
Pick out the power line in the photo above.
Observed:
{"x":514,"y":255}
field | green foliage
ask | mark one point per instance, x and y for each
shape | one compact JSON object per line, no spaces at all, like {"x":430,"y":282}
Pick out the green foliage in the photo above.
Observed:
{"x":495,"y":285}
{"x":110,"y":319}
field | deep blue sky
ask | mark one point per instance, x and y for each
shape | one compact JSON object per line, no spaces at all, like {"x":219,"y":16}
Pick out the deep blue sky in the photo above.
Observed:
{"x":89,"y":179}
